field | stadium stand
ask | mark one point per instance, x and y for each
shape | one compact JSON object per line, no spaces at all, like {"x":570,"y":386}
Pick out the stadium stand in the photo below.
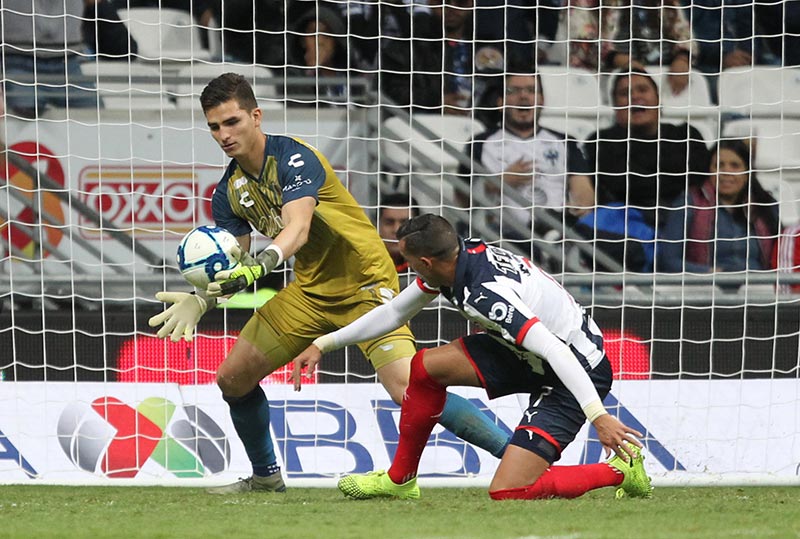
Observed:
{"x":165,"y":34}
{"x":128,"y":86}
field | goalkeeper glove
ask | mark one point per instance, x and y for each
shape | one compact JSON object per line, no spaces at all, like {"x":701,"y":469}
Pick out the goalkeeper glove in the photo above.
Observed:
{"x":245,"y":273}
{"x":182,"y":317}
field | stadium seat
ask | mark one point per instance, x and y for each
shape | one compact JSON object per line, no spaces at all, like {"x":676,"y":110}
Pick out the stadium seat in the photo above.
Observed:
{"x":693,"y":105}
{"x":164,"y":34}
{"x":572,"y":102}
{"x":760,"y":91}
{"x":697,"y":95}
{"x":408,"y":151}
{"x":777,"y":140}
{"x":128,"y":86}
{"x":784,"y":192}
{"x":199,"y":73}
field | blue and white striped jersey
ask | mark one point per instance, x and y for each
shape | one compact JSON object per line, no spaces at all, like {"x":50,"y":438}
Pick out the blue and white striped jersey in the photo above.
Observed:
{"x":507,"y":294}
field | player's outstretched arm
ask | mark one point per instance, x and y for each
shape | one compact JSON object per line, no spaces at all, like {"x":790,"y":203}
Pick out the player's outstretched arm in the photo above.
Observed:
{"x":379,"y":321}
{"x":181,"y":318}
{"x":296,"y":215}
{"x":611,"y":431}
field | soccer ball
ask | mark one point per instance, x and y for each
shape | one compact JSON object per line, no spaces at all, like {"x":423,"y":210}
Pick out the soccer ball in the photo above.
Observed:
{"x":203,"y":252}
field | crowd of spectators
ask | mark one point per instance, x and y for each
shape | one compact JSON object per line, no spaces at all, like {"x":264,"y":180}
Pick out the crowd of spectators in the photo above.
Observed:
{"x":633,"y":180}
{"x":434,"y":54}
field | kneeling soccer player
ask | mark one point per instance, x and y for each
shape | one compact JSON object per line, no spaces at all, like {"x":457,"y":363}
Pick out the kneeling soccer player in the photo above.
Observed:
{"x":538,"y":340}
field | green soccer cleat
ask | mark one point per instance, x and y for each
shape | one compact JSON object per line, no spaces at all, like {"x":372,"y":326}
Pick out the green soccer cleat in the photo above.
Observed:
{"x":254,"y":483}
{"x":377,"y":485}
{"x":636,"y":483}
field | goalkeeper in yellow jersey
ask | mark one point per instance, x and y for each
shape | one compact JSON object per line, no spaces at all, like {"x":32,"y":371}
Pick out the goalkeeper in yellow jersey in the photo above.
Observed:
{"x":287,"y":190}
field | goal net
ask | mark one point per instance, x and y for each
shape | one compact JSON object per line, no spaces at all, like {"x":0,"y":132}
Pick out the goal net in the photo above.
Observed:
{"x":645,"y":153}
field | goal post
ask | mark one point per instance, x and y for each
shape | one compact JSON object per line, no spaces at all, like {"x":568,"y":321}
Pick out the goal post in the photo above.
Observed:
{"x":108,"y":162}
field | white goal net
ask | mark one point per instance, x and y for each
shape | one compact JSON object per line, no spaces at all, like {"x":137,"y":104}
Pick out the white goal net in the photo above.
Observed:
{"x":646,"y":153}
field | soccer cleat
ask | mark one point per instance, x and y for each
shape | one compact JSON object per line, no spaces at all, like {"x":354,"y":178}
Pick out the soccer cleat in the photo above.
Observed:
{"x":254,"y":483}
{"x":636,"y":483}
{"x":377,"y":485}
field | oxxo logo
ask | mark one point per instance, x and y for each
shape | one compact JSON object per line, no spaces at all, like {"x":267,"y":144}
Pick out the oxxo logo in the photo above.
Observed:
{"x":148,"y":197}
{"x":114,"y":439}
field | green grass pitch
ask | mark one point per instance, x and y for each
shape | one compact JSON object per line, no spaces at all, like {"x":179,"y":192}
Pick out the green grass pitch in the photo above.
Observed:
{"x":157,"y":512}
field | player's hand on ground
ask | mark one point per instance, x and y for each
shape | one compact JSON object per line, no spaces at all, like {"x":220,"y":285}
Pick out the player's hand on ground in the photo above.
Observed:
{"x":308,"y":358}
{"x":181,"y":317}
{"x":614,"y":434}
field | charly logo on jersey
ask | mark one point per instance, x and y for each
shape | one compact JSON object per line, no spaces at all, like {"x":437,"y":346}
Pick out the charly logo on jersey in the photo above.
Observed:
{"x":111,"y":438}
{"x":296,"y":161}
{"x":245,"y":200}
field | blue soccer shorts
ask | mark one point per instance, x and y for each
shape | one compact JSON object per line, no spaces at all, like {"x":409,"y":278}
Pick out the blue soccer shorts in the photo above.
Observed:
{"x":553,"y":417}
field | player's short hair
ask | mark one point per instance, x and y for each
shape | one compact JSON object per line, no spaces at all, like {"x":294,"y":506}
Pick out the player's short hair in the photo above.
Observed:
{"x":226,"y":87}
{"x":429,"y":235}
{"x":400,"y":200}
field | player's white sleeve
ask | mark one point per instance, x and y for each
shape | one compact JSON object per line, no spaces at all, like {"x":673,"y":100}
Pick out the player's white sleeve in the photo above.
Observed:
{"x":378,"y":321}
{"x":543,"y":343}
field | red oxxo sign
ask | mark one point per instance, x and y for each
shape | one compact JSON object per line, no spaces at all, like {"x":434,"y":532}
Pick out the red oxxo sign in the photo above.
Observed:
{"x":150,"y":199}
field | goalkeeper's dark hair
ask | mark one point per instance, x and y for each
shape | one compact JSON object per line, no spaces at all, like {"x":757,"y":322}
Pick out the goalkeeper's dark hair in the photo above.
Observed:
{"x":430,"y":236}
{"x":226,"y":87}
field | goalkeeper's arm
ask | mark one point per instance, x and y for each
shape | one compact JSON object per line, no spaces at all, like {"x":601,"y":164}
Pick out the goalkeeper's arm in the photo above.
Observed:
{"x":181,"y":318}
{"x":296,"y":215}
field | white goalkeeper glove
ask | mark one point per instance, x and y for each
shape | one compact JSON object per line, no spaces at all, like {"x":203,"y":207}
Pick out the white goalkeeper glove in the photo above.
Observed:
{"x":245,"y":273}
{"x":182,"y":317}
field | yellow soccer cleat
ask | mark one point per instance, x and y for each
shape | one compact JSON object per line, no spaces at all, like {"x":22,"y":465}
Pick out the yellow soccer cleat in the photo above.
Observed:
{"x":636,"y":483}
{"x":377,"y":485}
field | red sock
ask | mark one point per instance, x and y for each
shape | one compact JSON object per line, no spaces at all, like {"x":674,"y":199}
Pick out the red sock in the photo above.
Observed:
{"x":564,"y":482}
{"x":423,"y":403}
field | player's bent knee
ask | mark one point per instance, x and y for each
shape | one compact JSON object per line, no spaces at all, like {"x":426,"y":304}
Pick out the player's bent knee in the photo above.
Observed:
{"x":233,"y":386}
{"x":448,"y":365}
{"x":394,"y":377}
{"x":228,"y":388}
{"x":419,"y":374}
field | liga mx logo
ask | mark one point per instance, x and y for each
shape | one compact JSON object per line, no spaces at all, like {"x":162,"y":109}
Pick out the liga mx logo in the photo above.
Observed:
{"x":116,"y":440}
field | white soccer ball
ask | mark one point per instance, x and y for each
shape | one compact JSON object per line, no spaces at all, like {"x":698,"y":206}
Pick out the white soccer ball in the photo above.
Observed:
{"x":203,"y":252}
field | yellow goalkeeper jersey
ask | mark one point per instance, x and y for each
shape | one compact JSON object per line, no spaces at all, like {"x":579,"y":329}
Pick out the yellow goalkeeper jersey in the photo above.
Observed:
{"x":344,"y":252}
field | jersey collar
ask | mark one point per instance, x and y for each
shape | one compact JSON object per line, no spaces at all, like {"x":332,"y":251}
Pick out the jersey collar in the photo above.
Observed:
{"x":263,"y":162}
{"x":456,"y":292}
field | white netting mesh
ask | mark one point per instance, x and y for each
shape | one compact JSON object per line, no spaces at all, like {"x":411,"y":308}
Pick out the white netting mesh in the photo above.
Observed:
{"x":109,"y":162}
